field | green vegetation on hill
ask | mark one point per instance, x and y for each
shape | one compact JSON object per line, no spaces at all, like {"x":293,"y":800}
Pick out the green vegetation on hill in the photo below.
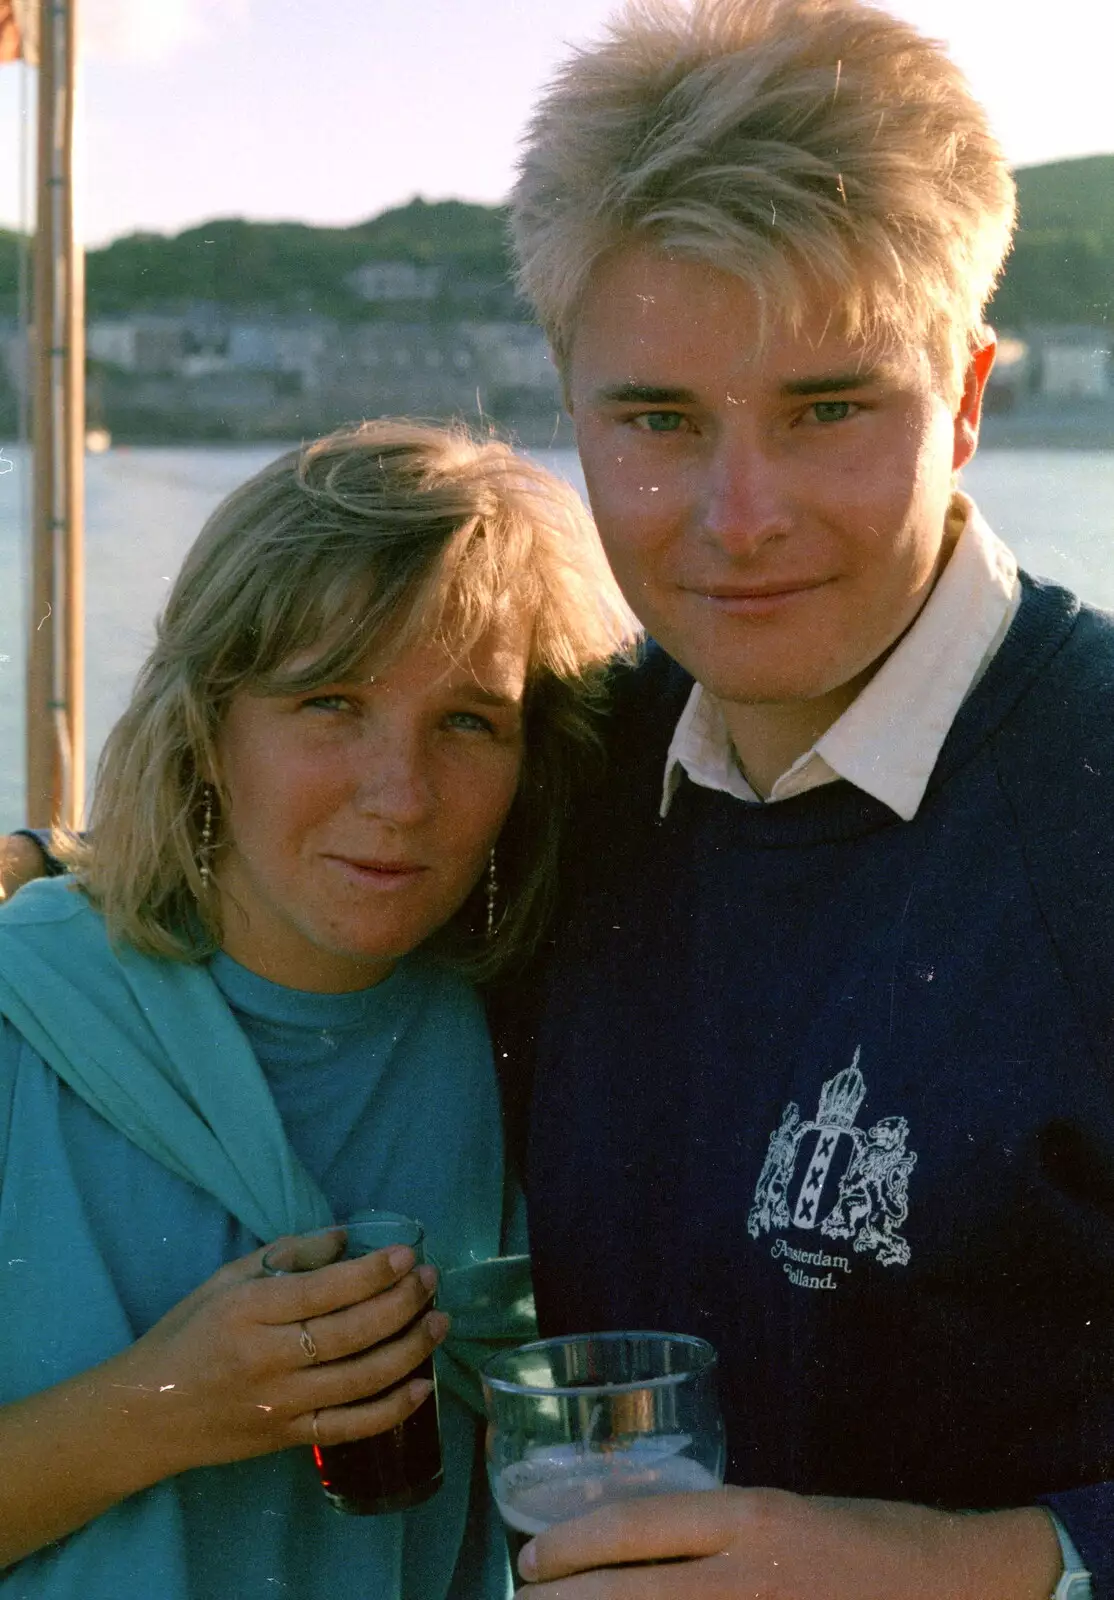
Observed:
{"x":1062,"y":268}
{"x":9,"y":269}
{"x":468,"y":238}
{"x":290,"y":266}
{"x":1069,"y":195}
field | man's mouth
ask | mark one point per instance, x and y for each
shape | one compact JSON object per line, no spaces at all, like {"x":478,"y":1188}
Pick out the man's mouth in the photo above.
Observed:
{"x":754,"y":599}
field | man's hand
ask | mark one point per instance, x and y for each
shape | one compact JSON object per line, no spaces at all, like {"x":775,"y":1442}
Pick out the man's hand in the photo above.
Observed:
{"x":763,"y":1544}
{"x":20,"y":861}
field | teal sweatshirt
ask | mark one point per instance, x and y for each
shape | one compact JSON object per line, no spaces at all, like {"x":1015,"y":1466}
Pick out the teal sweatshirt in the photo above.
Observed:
{"x":158,"y":1119}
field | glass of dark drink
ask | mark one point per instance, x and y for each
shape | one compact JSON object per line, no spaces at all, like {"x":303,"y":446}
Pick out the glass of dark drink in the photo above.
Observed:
{"x":395,"y":1470}
{"x":578,"y":1422}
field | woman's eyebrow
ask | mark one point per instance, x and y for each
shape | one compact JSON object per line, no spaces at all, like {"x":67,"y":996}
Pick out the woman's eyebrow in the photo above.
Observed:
{"x":485,"y":696}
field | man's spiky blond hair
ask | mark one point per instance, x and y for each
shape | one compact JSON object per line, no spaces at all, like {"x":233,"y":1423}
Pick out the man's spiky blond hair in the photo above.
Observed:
{"x":795,"y":143}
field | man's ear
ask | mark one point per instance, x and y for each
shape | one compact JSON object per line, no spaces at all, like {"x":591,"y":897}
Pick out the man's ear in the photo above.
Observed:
{"x":969,"y":410}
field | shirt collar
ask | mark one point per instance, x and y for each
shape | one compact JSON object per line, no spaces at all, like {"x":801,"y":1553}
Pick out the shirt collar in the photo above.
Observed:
{"x":888,"y":740}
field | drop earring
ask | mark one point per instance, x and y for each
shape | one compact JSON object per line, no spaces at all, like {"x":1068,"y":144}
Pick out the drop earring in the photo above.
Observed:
{"x":491,"y":888}
{"x":206,"y":848}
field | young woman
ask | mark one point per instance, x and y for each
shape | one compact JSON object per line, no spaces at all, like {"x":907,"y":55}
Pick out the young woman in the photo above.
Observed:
{"x":334,"y":799}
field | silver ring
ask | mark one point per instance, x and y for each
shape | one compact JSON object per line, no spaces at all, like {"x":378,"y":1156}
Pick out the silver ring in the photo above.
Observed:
{"x":316,"y":1435}
{"x":309,"y":1349}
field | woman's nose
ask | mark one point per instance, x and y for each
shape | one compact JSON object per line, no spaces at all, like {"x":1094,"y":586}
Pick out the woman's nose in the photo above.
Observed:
{"x":395,"y":782}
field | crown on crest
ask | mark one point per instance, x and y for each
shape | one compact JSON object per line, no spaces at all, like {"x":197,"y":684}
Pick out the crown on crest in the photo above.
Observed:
{"x":841,"y":1096}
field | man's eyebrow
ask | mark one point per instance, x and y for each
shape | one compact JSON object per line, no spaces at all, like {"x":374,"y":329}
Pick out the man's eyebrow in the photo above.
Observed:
{"x":653,"y":395}
{"x":832,"y":382}
{"x":645,"y":394}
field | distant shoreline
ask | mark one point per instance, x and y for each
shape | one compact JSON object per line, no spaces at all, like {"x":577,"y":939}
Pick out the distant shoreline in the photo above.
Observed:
{"x":1016,"y":431}
{"x":1075,"y":429}
{"x":998,"y":432}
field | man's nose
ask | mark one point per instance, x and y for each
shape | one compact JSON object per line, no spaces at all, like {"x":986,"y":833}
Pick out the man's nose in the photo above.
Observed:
{"x":745,"y":505}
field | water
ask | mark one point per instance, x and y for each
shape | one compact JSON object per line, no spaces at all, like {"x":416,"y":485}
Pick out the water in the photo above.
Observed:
{"x":144,"y":506}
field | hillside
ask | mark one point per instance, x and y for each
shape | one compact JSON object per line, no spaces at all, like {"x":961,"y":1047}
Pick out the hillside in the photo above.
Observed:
{"x":290,"y":266}
{"x":1062,"y":268}
{"x":287,"y":266}
{"x":1068,"y":194}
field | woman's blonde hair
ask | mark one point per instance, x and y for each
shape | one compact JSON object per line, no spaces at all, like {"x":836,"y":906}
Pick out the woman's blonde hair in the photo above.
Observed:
{"x":350,"y":549}
{"x":795,"y":143}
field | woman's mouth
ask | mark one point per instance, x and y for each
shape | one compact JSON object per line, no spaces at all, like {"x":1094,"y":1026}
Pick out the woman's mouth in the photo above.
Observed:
{"x":377,"y":872}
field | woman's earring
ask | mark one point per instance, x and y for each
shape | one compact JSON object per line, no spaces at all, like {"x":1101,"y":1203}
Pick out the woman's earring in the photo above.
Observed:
{"x":491,"y":888}
{"x":206,"y":850}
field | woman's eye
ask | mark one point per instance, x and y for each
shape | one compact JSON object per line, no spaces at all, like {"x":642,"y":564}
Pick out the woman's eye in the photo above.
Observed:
{"x":470,"y":722}
{"x":833,"y":410}
{"x":327,"y":702}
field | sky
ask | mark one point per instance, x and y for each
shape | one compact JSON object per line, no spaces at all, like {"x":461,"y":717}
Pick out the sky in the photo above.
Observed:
{"x":331,"y":112}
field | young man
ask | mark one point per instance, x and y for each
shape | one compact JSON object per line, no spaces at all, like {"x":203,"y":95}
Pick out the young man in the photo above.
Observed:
{"x":823,"y":1071}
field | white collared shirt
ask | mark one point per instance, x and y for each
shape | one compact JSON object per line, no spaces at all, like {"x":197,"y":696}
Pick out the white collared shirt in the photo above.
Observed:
{"x":888,"y":740}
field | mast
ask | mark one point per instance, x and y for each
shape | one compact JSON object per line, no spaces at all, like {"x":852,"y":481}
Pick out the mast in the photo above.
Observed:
{"x":56,"y":655}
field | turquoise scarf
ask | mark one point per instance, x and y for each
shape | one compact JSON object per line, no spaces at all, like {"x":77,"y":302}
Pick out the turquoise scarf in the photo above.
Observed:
{"x":137,"y":1037}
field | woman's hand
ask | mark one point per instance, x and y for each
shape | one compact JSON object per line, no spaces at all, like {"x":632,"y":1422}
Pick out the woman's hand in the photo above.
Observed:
{"x":248,"y":1364}
{"x":243,"y":1366}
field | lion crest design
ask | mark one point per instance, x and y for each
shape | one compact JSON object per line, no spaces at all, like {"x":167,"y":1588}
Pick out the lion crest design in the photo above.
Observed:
{"x":831,"y":1176}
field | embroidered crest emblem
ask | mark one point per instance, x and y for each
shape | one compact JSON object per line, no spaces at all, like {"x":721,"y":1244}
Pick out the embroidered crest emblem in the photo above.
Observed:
{"x":834,"y":1177}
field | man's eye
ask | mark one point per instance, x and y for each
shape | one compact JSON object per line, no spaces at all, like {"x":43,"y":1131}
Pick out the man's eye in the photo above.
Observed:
{"x":660,"y":421}
{"x":833,"y":410}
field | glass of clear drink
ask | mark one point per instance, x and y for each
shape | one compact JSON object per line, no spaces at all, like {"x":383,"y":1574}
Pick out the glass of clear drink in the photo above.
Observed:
{"x":578,"y":1422}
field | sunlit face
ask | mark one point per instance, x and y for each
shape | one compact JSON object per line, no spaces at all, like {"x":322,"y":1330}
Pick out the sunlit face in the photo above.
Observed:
{"x":774,"y":516}
{"x":360,"y":816}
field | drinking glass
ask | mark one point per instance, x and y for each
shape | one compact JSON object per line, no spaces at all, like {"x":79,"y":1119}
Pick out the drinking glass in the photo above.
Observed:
{"x":402,"y":1467}
{"x":578,"y":1422}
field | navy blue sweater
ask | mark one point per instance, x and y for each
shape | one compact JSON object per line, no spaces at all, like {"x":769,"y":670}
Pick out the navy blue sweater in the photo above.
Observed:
{"x":836,"y":1091}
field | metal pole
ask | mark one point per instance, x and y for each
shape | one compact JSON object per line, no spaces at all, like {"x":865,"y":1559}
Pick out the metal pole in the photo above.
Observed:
{"x":71,"y":682}
{"x":55,"y":665}
{"x":42,"y":755}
